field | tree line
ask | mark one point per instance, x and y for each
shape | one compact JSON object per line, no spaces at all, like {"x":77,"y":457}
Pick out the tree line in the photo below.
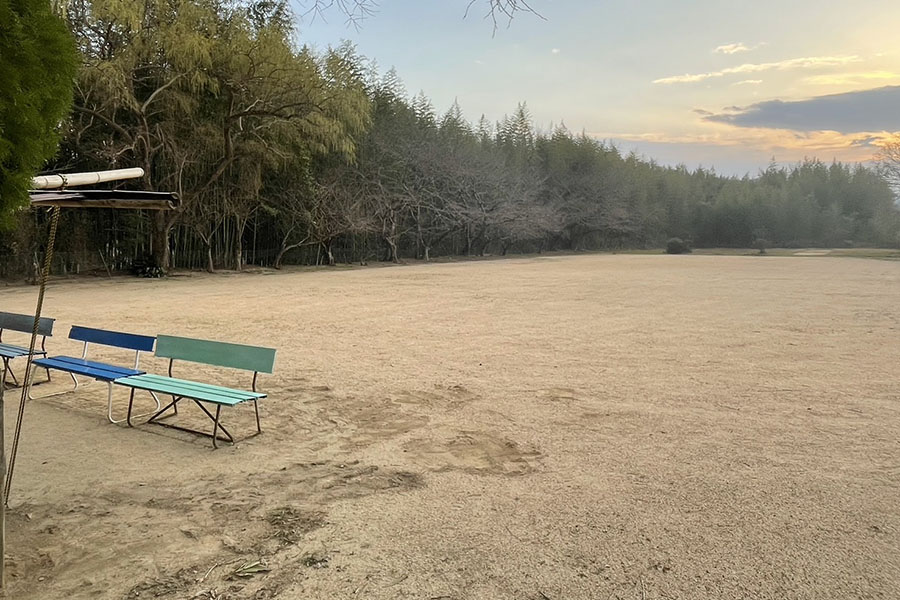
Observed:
{"x":281,"y":154}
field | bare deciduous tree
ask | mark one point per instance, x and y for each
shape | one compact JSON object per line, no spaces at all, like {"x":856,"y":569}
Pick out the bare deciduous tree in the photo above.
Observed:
{"x":498,"y":11}
{"x":889,"y":163}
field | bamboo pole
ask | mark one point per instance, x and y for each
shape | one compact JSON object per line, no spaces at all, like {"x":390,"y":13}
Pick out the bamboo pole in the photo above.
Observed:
{"x":49,"y":182}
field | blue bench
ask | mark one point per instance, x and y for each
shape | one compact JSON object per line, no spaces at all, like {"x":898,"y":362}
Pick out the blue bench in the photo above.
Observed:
{"x":221,"y":354}
{"x":23,"y":324}
{"x":99,"y":371}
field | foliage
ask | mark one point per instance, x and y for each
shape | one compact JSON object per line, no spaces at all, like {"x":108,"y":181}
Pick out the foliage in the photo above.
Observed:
{"x":889,"y":162}
{"x":677,"y":246}
{"x":37,"y":66}
{"x":209,"y":98}
{"x":285,"y":155}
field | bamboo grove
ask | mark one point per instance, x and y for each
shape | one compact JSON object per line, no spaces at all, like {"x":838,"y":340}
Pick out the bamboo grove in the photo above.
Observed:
{"x":286,"y":155}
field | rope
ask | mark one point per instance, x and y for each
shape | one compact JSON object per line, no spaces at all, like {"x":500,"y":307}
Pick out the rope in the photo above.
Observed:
{"x":26,"y":384}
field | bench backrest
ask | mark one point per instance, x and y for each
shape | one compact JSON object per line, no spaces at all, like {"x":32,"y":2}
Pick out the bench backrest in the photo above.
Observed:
{"x":220,"y":354}
{"x":129,"y":341}
{"x":25,"y":323}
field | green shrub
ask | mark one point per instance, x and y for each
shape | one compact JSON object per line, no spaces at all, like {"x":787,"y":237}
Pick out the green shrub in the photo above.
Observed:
{"x":677,"y":246}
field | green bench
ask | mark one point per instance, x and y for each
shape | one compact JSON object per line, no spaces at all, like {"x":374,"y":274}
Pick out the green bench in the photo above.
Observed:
{"x":23,"y":324}
{"x":220,"y":354}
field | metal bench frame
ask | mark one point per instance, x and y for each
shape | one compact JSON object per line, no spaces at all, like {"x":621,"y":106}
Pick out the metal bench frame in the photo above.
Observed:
{"x":23,"y":324}
{"x":157,"y":418}
{"x":115,"y":339}
{"x":171,"y":347}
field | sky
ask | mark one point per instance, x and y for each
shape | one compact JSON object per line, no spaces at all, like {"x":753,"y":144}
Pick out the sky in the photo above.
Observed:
{"x":721,"y":84}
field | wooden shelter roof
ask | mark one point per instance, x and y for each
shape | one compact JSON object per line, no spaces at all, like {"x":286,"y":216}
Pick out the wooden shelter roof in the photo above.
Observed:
{"x":78,"y":198}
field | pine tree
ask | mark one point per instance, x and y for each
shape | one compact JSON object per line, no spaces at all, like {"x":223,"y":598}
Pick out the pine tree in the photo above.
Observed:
{"x":485,"y":131}
{"x":37,"y":69}
{"x":454,"y":126}
{"x":424,"y":110}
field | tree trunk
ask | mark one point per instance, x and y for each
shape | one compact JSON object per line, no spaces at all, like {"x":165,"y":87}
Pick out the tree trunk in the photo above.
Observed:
{"x":240,"y":224}
{"x":210,"y":265}
{"x":162,"y":228}
{"x":419,"y":237}
{"x":328,"y":252}
{"x":390,"y":238}
{"x":280,"y":256}
{"x":392,"y":254}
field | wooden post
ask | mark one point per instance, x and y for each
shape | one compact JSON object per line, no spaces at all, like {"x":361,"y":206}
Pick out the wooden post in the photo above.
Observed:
{"x":2,"y":487}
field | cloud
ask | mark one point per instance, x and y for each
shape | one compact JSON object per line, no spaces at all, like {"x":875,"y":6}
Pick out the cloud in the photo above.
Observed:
{"x":741,"y":151}
{"x":873,"y":110}
{"x":812,"y":62}
{"x":555,"y":51}
{"x":748,"y":82}
{"x":687,"y":78}
{"x":851,"y":78}
{"x":790,"y":145}
{"x":732,"y":49}
{"x":868,"y":141}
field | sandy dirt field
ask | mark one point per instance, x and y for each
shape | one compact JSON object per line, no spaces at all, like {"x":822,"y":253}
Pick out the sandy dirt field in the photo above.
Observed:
{"x":634,"y":427}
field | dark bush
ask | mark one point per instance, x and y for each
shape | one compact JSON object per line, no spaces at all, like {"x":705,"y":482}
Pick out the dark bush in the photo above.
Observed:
{"x":147,"y":268}
{"x":762,"y":244}
{"x":677,"y":246}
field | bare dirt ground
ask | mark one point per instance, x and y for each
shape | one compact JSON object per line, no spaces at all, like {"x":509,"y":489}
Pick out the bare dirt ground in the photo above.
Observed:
{"x":633,"y":427}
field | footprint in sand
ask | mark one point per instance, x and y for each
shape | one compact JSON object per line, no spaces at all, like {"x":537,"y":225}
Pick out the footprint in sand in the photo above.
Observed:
{"x":474,"y":452}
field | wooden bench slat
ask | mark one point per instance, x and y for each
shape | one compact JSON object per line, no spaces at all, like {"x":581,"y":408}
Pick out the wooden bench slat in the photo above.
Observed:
{"x":118,"y":339}
{"x":221,"y":354}
{"x":25,"y":323}
{"x":206,"y":387}
{"x":189,"y":389}
{"x":12,"y":351}
{"x":78,"y":366}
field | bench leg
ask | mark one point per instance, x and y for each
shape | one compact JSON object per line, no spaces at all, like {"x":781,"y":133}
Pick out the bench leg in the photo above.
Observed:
{"x":215,"y":418}
{"x":130,"y":405}
{"x":60,"y":393}
{"x":130,"y":416}
{"x":256,"y":408}
{"x":15,"y":381}
{"x":158,"y":414}
{"x":216,"y":425}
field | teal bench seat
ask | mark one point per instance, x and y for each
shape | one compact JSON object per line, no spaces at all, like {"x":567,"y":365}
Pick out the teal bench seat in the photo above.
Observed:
{"x":221,"y":354}
{"x":193,"y":389}
{"x":99,"y":371}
